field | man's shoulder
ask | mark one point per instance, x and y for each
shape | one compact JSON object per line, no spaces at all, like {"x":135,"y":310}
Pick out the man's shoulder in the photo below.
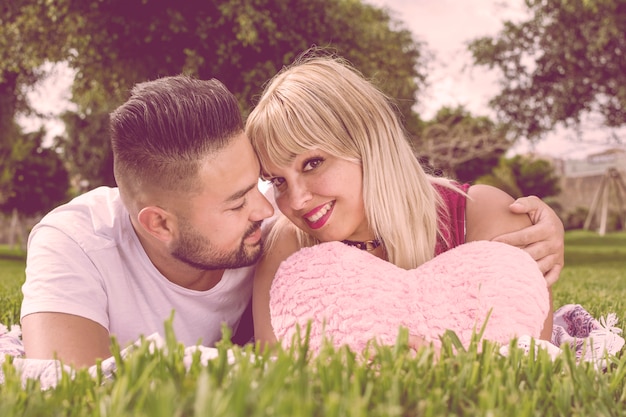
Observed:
{"x":96,"y":214}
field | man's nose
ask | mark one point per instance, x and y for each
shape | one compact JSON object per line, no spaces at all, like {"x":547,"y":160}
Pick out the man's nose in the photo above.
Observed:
{"x":263,"y":209}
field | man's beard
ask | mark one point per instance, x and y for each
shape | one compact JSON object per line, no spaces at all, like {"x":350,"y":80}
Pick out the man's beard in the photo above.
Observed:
{"x":197,"y":251}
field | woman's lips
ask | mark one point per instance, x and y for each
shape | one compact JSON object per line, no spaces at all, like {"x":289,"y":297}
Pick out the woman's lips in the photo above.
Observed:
{"x":317,"y":217}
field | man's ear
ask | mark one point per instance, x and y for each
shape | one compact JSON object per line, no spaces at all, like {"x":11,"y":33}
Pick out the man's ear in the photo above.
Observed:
{"x":157,"y":222}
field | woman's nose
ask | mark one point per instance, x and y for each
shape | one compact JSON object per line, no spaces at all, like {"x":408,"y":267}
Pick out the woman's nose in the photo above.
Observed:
{"x":299,"y":195}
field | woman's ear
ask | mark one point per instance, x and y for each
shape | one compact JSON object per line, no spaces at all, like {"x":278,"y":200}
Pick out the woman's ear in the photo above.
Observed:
{"x":157,"y":222}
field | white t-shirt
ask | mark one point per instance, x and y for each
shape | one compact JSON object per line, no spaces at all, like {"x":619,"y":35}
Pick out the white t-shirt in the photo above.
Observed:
{"x":85,"y":259}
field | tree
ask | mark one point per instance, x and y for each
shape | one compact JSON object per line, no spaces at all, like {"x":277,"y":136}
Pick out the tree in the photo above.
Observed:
{"x":113,"y":44}
{"x":86,"y":144}
{"x":567,"y":60}
{"x":40,"y":183}
{"x":242,"y":43}
{"x":460,"y":145}
{"x":29,"y":36}
{"x":524,"y":175}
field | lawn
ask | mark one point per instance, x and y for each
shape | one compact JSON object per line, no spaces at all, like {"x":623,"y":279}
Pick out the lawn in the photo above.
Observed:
{"x":476,"y":382}
{"x":11,"y":278}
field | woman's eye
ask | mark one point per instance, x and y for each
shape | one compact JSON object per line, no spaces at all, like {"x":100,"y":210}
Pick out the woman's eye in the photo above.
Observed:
{"x":312,"y":163}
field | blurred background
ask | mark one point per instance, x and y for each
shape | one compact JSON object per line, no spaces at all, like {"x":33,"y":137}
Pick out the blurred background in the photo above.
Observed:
{"x":529,"y":96}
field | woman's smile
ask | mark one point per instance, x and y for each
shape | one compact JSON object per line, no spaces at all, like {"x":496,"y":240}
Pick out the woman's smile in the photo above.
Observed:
{"x":317,"y":217}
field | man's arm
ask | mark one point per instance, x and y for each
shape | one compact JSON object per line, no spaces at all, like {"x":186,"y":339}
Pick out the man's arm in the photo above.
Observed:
{"x":74,"y":340}
{"x":543,"y":240}
{"x":489,"y":216}
{"x":62,"y":298}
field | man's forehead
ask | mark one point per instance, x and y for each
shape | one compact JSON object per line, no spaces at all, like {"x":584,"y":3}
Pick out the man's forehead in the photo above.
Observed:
{"x":232,"y":174}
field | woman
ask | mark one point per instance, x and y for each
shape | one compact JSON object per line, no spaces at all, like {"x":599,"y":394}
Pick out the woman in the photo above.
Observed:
{"x":342,"y":169}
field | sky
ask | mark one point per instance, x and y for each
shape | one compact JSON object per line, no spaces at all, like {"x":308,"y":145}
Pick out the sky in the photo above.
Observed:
{"x":445,"y":26}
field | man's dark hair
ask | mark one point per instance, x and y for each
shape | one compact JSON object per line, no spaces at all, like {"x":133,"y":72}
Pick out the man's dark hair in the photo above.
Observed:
{"x":168,"y":127}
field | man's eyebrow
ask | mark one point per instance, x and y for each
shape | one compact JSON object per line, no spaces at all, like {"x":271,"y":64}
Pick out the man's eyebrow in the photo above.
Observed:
{"x":239,"y":194}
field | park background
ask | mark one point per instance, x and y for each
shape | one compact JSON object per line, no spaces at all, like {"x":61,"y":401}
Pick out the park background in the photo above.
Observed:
{"x":481,"y":101}
{"x":529,"y":96}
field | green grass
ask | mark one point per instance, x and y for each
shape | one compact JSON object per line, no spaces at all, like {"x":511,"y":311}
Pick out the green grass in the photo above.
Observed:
{"x":594,"y":273}
{"x":11,"y":279}
{"x":395,"y":382}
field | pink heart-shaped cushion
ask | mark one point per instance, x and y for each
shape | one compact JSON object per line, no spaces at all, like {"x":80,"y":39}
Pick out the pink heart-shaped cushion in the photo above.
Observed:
{"x":352,"y":296}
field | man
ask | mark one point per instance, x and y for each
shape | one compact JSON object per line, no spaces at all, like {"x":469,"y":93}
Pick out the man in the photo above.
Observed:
{"x":180,"y":233}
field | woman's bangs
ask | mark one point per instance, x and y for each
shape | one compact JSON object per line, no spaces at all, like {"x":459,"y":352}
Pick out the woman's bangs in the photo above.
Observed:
{"x":291,"y":132}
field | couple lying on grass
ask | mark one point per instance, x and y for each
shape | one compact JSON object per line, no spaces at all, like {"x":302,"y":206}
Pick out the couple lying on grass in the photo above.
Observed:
{"x":377,"y":243}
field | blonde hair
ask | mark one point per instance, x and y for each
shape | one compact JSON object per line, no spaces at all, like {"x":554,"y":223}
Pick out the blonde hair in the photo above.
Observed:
{"x":324,"y":103}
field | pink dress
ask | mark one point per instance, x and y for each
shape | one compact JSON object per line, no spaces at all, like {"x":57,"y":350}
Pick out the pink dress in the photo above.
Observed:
{"x":454,"y":232}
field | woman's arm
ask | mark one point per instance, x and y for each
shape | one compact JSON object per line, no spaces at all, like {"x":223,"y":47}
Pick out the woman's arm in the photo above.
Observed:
{"x":284,"y":245}
{"x":488,"y":214}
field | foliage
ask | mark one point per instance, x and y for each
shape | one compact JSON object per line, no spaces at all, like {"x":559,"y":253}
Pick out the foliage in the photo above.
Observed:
{"x":86,"y":143}
{"x":575,"y":219}
{"x":241,"y":43}
{"x":461,"y":145}
{"x":12,"y":150}
{"x":40,"y":180}
{"x":394,"y":382}
{"x":566,"y":60}
{"x":524,"y":175}
{"x":8,"y":132}
{"x":113,"y":44}
{"x":30,"y":35}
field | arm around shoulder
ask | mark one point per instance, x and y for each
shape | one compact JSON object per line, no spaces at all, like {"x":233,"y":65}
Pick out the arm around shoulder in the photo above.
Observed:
{"x":544,"y":240}
{"x":488,"y":214}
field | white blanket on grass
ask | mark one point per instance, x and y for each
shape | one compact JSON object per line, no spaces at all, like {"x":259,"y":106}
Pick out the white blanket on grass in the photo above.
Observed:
{"x":49,"y":371}
{"x":592,"y":340}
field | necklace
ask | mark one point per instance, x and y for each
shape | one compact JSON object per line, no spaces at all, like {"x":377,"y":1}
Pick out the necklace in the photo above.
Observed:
{"x":368,"y":245}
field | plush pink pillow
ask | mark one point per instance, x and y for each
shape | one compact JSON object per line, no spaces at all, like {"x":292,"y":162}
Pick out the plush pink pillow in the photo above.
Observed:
{"x":352,"y":296}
